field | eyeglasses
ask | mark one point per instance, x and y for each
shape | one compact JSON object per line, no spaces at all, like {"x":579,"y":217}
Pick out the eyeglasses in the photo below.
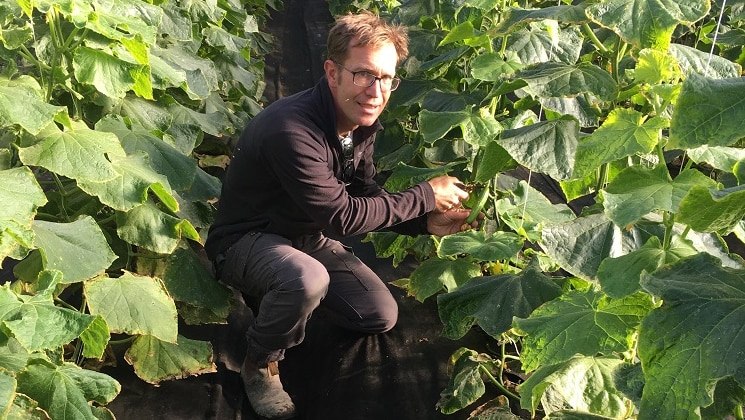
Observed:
{"x":347,"y":149}
{"x":365,"y":79}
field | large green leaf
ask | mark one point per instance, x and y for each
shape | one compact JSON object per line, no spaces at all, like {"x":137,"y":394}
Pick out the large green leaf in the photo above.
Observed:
{"x":7,"y":393}
{"x":34,"y":115}
{"x":155,"y":360}
{"x":79,"y":153}
{"x":498,"y":246}
{"x":188,"y":281}
{"x":620,"y":276}
{"x":434,"y":274}
{"x":66,"y":391}
{"x":637,"y":191}
{"x":580,"y":245}
{"x":119,"y":19}
{"x":164,"y":158}
{"x":708,"y":112}
{"x":491,"y":67}
{"x":647,"y":23}
{"x":37,"y":323}
{"x":582,"y":383}
{"x":201,"y":76}
{"x":625,"y":132}
{"x":79,"y":249}
{"x":709,"y":210}
{"x":21,"y":195}
{"x":562,"y":80}
{"x":477,"y":128}
{"x":491,"y":302}
{"x":692,"y":60}
{"x":547,"y":147}
{"x":133,"y":305}
{"x":516,"y":17}
{"x":584,"y":322}
{"x":149,"y":227}
{"x":111,"y":75}
{"x":405,"y":176}
{"x":538,"y":45}
{"x":695,"y":339}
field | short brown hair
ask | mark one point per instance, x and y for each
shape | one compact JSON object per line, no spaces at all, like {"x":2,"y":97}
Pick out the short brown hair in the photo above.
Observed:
{"x":365,"y":28}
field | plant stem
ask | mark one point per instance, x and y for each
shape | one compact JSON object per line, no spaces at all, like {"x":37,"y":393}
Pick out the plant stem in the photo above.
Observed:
{"x":602,"y":177}
{"x":595,"y":41}
{"x":498,"y":384}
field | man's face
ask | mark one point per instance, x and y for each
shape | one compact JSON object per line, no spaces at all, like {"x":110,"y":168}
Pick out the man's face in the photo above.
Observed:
{"x":360,"y":105}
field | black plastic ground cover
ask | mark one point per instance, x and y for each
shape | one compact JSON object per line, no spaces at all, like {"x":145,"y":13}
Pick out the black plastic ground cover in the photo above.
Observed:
{"x":333,"y":375}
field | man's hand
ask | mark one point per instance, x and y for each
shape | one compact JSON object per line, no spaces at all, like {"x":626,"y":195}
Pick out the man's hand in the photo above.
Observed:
{"x":448,"y":191}
{"x":450,"y":221}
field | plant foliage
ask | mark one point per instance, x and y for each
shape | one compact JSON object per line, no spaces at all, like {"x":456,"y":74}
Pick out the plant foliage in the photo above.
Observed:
{"x":625,"y":302}
{"x":113,"y":117}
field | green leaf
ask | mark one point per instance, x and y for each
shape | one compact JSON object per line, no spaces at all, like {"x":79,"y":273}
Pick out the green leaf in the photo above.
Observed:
{"x":582,"y":383}
{"x":434,"y":274}
{"x":35,"y":114}
{"x":646,"y":23}
{"x":695,"y":339}
{"x":491,"y":302}
{"x":477,"y":128}
{"x":620,"y":276}
{"x":78,"y":249}
{"x":709,"y":210}
{"x":37,"y":323}
{"x":585,"y":322}
{"x":79,"y":153}
{"x":465,"y":385}
{"x":133,"y":305}
{"x":405,"y":176}
{"x":201,"y":76}
{"x":723,"y":158}
{"x":692,"y":60}
{"x":624,"y":133}
{"x":187,"y":280}
{"x":528,"y":210}
{"x":110,"y":75}
{"x":118,"y":19}
{"x":708,"y":112}
{"x":65,"y":391}
{"x":547,"y":147}
{"x":95,"y":338}
{"x":636,"y":191}
{"x":21,"y":195}
{"x":155,"y":361}
{"x":498,"y":246}
{"x":515,"y":16}
{"x":538,"y":45}
{"x":149,"y":227}
{"x":491,"y":67}
{"x":580,"y":245}
{"x":562,"y":80}
{"x":132,"y":187}
{"x":7,"y":393}
{"x":461,"y":32}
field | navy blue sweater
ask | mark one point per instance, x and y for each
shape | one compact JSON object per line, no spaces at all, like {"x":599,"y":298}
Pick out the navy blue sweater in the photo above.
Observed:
{"x":285,"y":177}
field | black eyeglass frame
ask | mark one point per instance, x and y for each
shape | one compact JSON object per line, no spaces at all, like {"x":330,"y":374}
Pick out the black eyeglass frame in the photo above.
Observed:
{"x":395,"y":82}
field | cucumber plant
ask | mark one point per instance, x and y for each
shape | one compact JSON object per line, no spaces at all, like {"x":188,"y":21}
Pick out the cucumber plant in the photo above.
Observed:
{"x":114,"y":117}
{"x":626,"y":304}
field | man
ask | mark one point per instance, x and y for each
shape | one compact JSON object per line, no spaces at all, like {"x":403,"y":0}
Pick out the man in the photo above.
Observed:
{"x":304,"y":166}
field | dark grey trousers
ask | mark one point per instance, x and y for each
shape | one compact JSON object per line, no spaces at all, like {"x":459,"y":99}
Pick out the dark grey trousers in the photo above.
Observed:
{"x":293,"y":278}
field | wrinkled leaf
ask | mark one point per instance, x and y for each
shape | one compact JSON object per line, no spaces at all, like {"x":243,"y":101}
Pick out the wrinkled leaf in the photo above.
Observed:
{"x":584,"y":322}
{"x":155,"y":361}
{"x":498,"y":246}
{"x":133,"y":305}
{"x":709,"y":210}
{"x":694,"y":339}
{"x":492,"y":301}
{"x":434,"y":274}
{"x":149,"y":227}
{"x":582,"y":383}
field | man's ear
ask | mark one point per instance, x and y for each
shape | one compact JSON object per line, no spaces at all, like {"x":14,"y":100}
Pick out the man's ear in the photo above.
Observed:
{"x":332,"y":72}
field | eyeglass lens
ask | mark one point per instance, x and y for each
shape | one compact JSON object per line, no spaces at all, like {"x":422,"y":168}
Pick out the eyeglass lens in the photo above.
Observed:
{"x":365,"y":79}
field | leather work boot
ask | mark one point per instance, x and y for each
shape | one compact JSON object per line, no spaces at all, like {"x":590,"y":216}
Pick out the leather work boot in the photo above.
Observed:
{"x":264,"y":391}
